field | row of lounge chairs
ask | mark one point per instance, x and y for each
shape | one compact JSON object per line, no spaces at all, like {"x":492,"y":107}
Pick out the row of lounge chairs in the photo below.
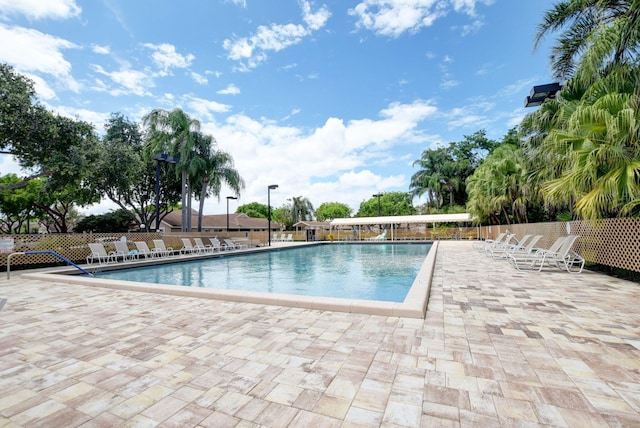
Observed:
{"x":283,"y":237}
{"x":123,"y":253}
{"x":524,"y":254}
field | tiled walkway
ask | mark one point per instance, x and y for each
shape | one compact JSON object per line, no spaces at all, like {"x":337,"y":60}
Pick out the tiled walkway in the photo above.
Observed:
{"x":498,"y":348}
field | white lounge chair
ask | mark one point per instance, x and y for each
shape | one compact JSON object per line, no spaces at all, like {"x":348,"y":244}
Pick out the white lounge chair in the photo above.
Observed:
{"x":161,"y":249}
{"x":143,"y":250}
{"x":99,"y":253}
{"x":518,"y":246}
{"x":122,"y":251}
{"x":215,"y":244}
{"x":187,"y":246}
{"x":482,"y":245}
{"x":201,"y":247}
{"x":289,"y":237}
{"x":560,"y":255}
{"x":380,"y":237}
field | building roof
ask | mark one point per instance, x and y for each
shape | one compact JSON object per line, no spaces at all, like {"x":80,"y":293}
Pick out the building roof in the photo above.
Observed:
{"x":219,"y":221}
{"x":310,"y":224}
{"x":430,"y":218}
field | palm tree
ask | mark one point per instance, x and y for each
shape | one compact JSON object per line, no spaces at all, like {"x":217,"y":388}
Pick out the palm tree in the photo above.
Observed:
{"x":599,"y":36}
{"x":210,"y":169}
{"x":301,"y":209}
{"x":600,"y":145}
{"x":174,"y":132}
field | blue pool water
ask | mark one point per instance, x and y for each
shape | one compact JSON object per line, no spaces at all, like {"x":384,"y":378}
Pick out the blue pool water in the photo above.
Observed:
{"x":370,"y":272}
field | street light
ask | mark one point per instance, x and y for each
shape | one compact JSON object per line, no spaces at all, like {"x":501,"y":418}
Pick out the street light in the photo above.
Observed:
{"x":229,"y":197}
{"x":269,"y":189}
{"x":160,"y":157}
{"x":377,"y":195}
{"x":540,"y":93}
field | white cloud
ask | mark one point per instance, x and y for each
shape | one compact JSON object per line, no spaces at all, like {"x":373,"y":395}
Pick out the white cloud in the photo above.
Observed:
{"x":129,"y":81}
{"x":252,"y":51}
{"x":336,"y":158}
{"x":205,"y":108}
{"x":35,"y":53}
{"x":102,"y":50}
{"x":229,"y":90}
{"x":165,"y":57}
{"x":395,"y":17}
{"x":199,"y":78}
{"x":39,"y":9}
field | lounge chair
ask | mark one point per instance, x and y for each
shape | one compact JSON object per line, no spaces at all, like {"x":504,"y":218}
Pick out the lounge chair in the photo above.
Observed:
{"x":499,"y":245}
{"x":201,"y":247}
{"x":380,"y":237}
{"x":482,"y":245}
{"x":275,"y":238}
{"x":527,"y":249}
{"x":160,"y":249}
{"x":122,"y":251}
{"x":99,"y":253}
{"x":229,"y":245}
{"x":560,"y":255}
{"x":497,"y":251}
{"x":289,"y":237}
{"x":215,"y":244}
{"x":143,"y":250}
{"x":187,"y":247}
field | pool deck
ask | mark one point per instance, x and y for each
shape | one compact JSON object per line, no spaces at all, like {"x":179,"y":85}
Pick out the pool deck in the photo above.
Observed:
{"x":498,"y":347}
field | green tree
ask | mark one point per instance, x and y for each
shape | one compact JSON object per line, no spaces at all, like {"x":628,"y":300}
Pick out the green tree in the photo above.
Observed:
{"x":127,"y":176}
{"x":174,"y":132}
{"x":254,"y":209}
{"x":332,"y":210}
{"x":210,"y":169}
{"x":16,"y":205}
{"x":444,"y":170}
{"x":391,"y":204}
{"x":114,"y":221}
{"x":598,"y":36}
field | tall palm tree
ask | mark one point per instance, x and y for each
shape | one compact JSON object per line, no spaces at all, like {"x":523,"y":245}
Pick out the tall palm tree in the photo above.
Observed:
{"x":174,"y":132}
{"x":600,"y":145}
{"x":211,"y":169}
{"x":599,"y":35}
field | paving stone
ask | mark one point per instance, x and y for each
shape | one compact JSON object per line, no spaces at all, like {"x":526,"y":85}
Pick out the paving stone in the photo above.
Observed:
{"x":497,"y":347}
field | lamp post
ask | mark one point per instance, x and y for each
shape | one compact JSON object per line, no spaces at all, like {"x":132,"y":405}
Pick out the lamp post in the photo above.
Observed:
{"x":269,"y":189}
{"x":540,"y":93}
{"x":377,"y":195}
{"x":160,"y":157}
{"x":229,"y":197}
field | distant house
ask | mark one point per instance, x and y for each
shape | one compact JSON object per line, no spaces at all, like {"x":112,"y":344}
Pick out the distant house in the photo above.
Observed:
{"x":312,"y":225}
{"x":217,"y":223}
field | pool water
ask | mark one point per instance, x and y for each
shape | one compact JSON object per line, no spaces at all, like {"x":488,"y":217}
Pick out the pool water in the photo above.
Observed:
{"x":369,"y":271}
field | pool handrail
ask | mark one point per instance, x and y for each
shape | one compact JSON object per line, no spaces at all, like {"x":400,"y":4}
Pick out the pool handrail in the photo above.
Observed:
{"x":53,"y":253}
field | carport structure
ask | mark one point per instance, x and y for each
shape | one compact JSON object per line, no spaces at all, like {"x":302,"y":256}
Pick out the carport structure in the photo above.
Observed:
{"x":340,"y":223}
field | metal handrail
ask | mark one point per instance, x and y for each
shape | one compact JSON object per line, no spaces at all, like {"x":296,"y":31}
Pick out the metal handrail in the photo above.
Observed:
{"x":53,"y":253}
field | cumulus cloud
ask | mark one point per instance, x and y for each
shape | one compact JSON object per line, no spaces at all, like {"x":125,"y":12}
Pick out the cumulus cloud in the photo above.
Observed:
{"x":198,"y":78}
{"x":229,"y":90}
{"x":33,"y":52}
{"x":128,"y":81}
{"x":165,"y":57}
{"x":252,"y":51}
{"x":339,"y":156}
{"x":39,"y":9}
{"x":205,"y":108}
{"x":395,"y":17}
{"x":101,"y":50}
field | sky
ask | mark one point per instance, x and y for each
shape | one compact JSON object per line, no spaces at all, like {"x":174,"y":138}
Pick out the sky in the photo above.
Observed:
{"x":330,"y":100}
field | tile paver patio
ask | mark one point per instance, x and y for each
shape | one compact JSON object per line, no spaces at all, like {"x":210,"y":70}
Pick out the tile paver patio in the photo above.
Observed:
{"x":498,"y":347}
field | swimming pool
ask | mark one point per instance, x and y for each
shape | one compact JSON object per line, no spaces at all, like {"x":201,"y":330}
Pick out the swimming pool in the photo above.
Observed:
{"x":382,"y":272}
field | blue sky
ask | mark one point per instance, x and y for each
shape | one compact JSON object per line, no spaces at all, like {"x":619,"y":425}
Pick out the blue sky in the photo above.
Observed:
{"x":330,"y":100}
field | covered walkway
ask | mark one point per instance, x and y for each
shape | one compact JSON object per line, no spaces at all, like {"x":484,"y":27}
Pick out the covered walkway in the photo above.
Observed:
{"x":393,"y":222}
